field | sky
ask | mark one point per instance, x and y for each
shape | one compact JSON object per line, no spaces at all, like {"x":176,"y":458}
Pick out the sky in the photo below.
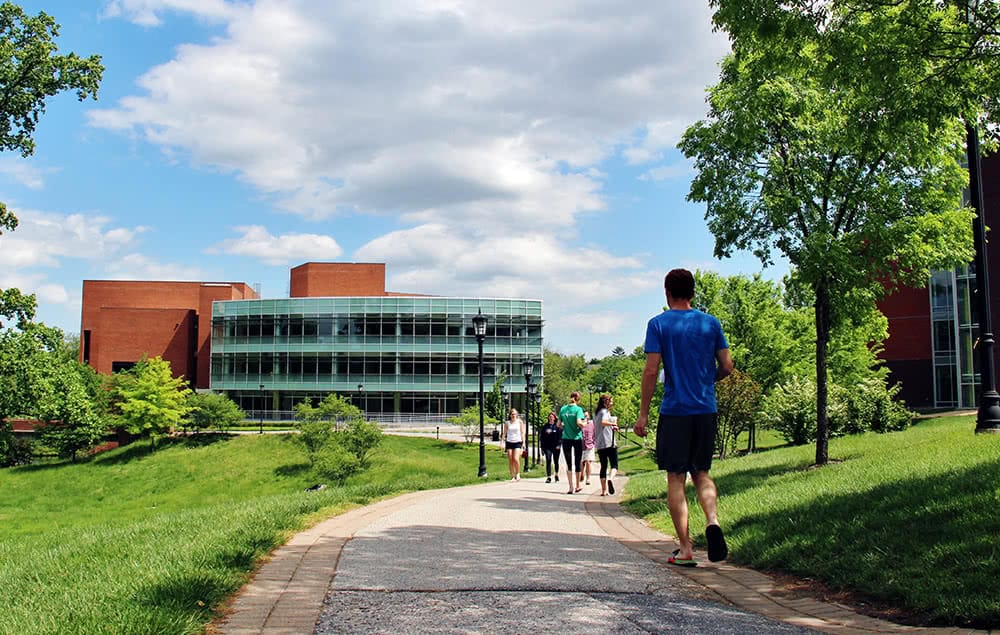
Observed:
{"x":485,"y":148}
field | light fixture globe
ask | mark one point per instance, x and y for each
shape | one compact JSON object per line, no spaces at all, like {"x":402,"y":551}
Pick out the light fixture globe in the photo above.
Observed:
{"x":479,"y":324}
{"x":528,"y":368}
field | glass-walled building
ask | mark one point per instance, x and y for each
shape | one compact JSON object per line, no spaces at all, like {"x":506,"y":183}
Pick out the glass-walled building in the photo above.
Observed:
{"x":955,"y":326}
{"x":387,"y":354}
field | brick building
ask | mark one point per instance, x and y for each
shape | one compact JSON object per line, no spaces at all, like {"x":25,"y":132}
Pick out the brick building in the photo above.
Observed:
{"x":933,"y":330}
{"x":339,"y":331}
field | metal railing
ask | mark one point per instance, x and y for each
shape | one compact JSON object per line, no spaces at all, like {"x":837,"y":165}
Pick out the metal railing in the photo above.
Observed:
{"x":384,"y":419}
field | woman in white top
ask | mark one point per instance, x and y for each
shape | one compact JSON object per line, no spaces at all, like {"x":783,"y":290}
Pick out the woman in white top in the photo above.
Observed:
{"x":513,"y":435}
{"x":604,"y":438}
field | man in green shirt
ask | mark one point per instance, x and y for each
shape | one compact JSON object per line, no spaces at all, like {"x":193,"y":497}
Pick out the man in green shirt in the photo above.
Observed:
{"x":570,"y":417}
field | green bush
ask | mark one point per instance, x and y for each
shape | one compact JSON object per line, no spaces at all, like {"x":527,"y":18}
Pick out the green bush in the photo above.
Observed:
{"x":14,"y":450}
{"x":868,"y":405}
{"x":790,"y":409}
{"x":359,"y":438}
{"x":871,"y":405}
{"x":468,"y":419}
{"x":208,"y":409}
{"x":738,"y":398}
{"x":334,"y":462}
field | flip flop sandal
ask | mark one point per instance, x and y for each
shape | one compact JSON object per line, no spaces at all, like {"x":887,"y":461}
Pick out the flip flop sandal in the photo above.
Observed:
{"x":717,"y":549}
{"x":611,"y":486}
{"x":681,"y":562}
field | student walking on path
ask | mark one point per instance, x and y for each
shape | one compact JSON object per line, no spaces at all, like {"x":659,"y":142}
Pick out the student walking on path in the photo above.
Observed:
{"x":514,"y":435}
{"x":694,"y":353}
{"x":551,"y":442}
{"x":570,"y":418}
{"x":606,"y":427}
{"x":587,"y":430}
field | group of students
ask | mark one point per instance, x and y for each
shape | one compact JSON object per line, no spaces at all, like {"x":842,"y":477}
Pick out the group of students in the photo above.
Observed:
{"x":576,"y":436}
{"x":691,"y":349}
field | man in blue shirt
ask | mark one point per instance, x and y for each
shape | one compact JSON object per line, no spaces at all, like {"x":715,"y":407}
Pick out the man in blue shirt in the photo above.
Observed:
{"x":695,"y":355}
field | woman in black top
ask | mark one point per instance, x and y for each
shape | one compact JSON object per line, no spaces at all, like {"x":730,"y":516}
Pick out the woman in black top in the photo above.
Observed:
{"x":551,"y":442}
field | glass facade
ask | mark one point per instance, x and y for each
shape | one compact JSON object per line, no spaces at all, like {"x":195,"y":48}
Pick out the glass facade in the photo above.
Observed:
{"x":954,"y":324}
{"x":387,"y":354}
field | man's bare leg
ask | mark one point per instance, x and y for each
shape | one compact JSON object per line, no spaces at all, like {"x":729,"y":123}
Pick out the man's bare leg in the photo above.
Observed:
{"x":708,"y":496}
{"x":677,"y":502}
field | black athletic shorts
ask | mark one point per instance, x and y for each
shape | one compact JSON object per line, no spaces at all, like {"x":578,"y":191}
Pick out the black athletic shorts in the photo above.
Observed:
{"x":513,"y":446}
{"x":687,"y":443}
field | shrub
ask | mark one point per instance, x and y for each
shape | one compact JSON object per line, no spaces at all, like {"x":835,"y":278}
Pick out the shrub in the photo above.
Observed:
{"x":314,"y":435}
{"x":871,"y":405}
{"x":335,"y":463}
{"x":791,"y":410}
{"x":468,"y":419}
{"x":360,"y":438}
{"x":208,"y":409}
{"x":14,"y":450}
{"x":738,"y":397}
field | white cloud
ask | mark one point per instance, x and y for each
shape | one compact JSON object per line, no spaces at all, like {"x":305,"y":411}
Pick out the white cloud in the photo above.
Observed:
{"x":37,"y":283}
{"x":441,"y":112}
{"x":43,"y":239}
{"x":149,"y":12}
{"x":136,"y":266}
{"x":257,"y":243}
{"x":601,"y":323}
{"x":656,"y":136}
{"x":667,"y":172}
{"x":22,"y":171}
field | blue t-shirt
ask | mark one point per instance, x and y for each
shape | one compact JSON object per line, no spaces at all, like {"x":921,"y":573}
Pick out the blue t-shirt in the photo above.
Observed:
{"x":687,"y":341}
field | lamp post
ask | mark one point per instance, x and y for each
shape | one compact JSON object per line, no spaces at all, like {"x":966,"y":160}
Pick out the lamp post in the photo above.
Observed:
{"x":527,"y":369}
{"x":479,"y":326}
{"x":538,"y":404}
{"x":988,"y":415}
{"x":361,"y":398}
{"x":264,"y":397}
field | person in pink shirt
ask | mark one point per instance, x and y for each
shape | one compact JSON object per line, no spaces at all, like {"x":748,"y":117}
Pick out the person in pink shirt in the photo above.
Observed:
{"x":588,"y":445}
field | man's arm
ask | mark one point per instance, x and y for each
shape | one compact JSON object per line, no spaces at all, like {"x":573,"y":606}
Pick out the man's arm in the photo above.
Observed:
{"x":724,"y":364}
{"x":649,"y":373}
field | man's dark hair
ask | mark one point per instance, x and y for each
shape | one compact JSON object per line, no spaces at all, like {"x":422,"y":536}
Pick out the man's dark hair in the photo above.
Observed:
{"x":680,"y":284}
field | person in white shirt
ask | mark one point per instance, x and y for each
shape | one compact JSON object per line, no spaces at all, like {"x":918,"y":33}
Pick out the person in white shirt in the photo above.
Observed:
{"x":514,"y":433}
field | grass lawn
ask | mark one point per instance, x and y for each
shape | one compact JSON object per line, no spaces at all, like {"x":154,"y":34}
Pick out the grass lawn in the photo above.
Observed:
{"x":909,"y":518}
{"x":134,"y":542}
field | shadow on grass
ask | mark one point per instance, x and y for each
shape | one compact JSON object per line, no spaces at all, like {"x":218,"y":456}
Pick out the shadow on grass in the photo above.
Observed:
{"x":736,"y":482}
{"x":292,"y":469}
{"x":926,"y":544}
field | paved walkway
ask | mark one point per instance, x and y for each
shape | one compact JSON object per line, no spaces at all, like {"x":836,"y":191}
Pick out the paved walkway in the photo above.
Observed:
{"x":512,"y":558}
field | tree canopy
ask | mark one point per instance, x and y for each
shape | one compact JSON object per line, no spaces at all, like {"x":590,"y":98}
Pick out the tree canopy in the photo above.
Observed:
{"x":835,"y":139}
{"x":31,"y":71}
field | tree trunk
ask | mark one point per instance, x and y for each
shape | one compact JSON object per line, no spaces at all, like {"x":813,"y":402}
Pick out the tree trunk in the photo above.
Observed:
{"x":822,"y":308}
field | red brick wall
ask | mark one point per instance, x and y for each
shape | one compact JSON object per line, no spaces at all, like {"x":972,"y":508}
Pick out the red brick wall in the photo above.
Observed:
{"x":908,"y":312}
{"x":326,"y":279}
{"x":176,"y":320}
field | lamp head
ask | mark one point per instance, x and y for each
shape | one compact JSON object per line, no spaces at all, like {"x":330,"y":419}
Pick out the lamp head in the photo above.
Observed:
{"x":528,"y":368}
{"x":479,"y":324}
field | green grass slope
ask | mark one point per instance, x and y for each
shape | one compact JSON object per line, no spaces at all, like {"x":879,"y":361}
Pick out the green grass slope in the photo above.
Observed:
{"x":140,"y":542}
{"x":909,"y":518}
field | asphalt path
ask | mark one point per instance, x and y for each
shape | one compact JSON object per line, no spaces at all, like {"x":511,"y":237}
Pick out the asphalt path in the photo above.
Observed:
{"x":512,"y":558}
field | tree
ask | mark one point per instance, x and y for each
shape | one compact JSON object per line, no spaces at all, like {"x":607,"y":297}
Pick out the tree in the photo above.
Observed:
{"x":30,"y":72}
{"x":64,"y":404}
{"x":494,"y":401}
{"x":739,"y":402}
{"x":209,"y":409}
{"x":152,"y":401}
{"x":846,"y":164}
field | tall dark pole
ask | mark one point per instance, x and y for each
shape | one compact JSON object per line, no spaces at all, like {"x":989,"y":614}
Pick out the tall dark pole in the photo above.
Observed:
{"x":527,"y":426}
{"x":988,"y":416}
{"x":264,"y":403}
{"x":479,"y":325}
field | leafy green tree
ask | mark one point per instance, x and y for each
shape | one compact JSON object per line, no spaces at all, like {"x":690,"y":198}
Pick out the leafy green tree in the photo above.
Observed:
{"x":848,"y":168}
{"x":468,"y":420}
{"x":494,"y":401}
{"x":64,"y":404}
{"x":210,"y":409}
{"x":563,"y":375}
{"x":315,"y":429}
{"x":338,"y":410}
{"x":152,"y":402}
{"x":360,"y":438}
{"x":738,"y":397}
{"x":31,"y":71}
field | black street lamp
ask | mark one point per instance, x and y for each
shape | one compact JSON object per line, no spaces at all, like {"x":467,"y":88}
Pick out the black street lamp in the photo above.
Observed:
{"x":988,"y":416}
{"x":528,"y":369}
{"x":479,"y":326}
{"x":362,"y":400}
{"x":263,"y":403}
{"x":537,"y":398}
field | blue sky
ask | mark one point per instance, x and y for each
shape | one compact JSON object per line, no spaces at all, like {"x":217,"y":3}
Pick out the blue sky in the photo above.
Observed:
{"x":498,"y":148}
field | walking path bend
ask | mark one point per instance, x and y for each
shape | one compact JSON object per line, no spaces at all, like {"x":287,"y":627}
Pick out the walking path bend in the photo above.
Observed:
{"x":509,"y":557}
